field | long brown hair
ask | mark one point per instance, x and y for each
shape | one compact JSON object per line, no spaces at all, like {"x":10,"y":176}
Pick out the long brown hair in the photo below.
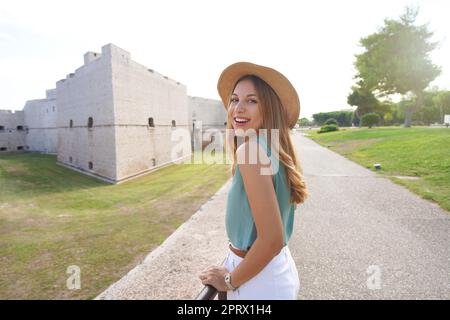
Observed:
{"x":274,"y":117}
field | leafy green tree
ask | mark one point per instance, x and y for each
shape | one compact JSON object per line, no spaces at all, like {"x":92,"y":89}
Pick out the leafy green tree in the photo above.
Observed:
{"x":370,"y":119}
{"x":396,"y":60}
{"x":430,"y":111}
{"x":362,"y":98}
{"x":388,"y":118}
{"x":442,"y":101}
{"x":343,"y":117}
{"x":304,"y":122}
{"x":331,"y":121}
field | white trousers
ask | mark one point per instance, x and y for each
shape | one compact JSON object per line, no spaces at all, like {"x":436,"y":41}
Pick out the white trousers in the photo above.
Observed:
{"x":277,"y":281}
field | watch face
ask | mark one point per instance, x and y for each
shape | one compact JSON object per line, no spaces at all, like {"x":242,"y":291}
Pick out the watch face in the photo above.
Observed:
{"x":228,"y":281}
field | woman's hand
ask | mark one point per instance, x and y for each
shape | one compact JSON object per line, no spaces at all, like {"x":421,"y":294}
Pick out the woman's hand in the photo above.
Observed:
{"x":215,"y":276}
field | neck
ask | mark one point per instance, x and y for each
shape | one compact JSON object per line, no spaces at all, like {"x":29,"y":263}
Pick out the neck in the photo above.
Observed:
{"x":246,"y":138}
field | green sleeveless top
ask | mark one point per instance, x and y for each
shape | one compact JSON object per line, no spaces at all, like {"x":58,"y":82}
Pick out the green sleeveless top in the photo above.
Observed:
{"x":240,"y":226}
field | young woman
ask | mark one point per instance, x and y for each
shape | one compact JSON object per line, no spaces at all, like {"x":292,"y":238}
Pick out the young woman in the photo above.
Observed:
{"x":260,"y":207}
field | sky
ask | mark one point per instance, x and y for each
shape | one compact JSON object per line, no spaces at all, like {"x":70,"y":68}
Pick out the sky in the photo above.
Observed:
{"x":313,"y":43}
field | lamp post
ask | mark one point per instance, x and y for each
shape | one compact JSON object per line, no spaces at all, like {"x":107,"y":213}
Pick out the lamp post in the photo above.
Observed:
{"x":193,"y":134}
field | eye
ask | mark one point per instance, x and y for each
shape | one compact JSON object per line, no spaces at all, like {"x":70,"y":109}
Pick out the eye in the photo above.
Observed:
{"x":234,"y":99}
{"x":253,"y":101}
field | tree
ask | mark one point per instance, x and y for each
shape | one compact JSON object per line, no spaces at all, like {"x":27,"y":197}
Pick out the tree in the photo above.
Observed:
{"x":370,"y":119}
{"x":343,"y":117}
{"x":363,"y":98}
{"x":388,"y":118}
{"x":430,"y":111}
{"x":331,"y":121}
{"x":442,"y":101}
{"x":304,"y":122}
{"x":396,"y":60}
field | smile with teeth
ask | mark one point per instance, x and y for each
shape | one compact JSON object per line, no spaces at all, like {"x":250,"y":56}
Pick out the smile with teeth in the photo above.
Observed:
{"x":241,"y":120}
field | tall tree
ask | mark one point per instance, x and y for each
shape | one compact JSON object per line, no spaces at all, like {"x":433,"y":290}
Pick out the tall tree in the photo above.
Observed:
{"x":442,"y":101}
{"x":396,"y":59}
{"x":363,"y":99}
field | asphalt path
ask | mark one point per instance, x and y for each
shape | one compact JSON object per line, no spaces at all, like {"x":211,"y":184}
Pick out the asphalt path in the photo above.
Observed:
{"x":361,"y":236}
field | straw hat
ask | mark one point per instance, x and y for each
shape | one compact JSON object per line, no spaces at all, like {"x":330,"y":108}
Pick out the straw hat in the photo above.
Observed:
{"x":279,"y":83}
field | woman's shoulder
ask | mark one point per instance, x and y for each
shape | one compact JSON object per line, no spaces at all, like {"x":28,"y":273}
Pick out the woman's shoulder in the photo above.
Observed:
{"x":252,"y":153}
{"x":253,"y":160}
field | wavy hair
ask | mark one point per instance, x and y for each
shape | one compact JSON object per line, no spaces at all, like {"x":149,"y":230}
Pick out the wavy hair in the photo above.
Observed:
{"x":274,"y":117}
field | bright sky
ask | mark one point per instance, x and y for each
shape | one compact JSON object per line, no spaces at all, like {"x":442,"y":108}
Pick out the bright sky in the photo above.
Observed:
{"x":312,"y":42}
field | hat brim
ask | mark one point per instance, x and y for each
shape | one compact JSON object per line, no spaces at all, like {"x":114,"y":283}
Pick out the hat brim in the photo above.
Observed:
{"x":279,"y":83}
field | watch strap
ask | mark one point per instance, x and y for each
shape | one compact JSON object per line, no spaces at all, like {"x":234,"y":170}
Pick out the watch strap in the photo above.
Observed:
{"x":228,"y":282}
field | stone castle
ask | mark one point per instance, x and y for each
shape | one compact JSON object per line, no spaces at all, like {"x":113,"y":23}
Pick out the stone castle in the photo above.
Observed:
{"x":112,"y":118}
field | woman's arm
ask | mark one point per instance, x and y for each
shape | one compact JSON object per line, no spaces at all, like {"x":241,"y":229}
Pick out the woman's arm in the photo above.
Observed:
{"x":266,"y":214}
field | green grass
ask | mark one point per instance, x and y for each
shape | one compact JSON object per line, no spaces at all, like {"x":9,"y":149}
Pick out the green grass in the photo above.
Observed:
{"x":52,"y":217}
{"x":417,"y":152}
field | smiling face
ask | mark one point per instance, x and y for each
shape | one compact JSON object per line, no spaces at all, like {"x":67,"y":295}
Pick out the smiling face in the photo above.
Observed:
{"x":244,"y":111}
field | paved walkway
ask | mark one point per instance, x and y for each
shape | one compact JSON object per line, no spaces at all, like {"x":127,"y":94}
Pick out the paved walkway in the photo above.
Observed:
{"x":358,"y":236}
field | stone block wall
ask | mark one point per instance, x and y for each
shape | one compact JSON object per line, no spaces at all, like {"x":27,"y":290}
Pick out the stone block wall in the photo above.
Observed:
{"x":148,"y":107}
{"x":40,"y":118}
{"x":12,"y":131}
{"x":112,"y":118}
{"x":85,"y":121}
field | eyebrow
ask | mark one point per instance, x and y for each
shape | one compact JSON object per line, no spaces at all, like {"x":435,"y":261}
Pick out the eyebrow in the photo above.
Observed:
{"x":249,"y":95}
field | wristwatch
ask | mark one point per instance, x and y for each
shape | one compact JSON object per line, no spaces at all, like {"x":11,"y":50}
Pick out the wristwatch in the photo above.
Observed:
{"x":228,"y":282}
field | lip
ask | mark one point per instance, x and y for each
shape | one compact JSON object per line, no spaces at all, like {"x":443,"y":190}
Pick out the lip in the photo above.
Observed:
{"x":237,"y":124}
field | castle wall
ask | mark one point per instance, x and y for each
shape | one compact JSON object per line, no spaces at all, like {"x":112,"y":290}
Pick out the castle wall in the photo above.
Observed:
{"x":140,"y":94}
{"x":211,"y":114}
{"x":135,"y":112}
{"x":41,"y":117}
{"x":86,"y":94}
{"x":12,"y":131}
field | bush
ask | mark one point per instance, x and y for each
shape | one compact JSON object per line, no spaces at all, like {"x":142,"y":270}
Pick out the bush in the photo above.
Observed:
{"x":328,"y":128}
{"x":370,"y":119}
{"x":331,"y":121}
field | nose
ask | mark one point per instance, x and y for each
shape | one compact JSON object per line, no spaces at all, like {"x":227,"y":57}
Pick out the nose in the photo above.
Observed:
{"x":240,"y":107}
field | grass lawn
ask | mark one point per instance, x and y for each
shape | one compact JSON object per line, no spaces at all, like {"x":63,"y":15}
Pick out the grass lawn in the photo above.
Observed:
{"x":415,"y":152}
{"x":52,"y":218}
